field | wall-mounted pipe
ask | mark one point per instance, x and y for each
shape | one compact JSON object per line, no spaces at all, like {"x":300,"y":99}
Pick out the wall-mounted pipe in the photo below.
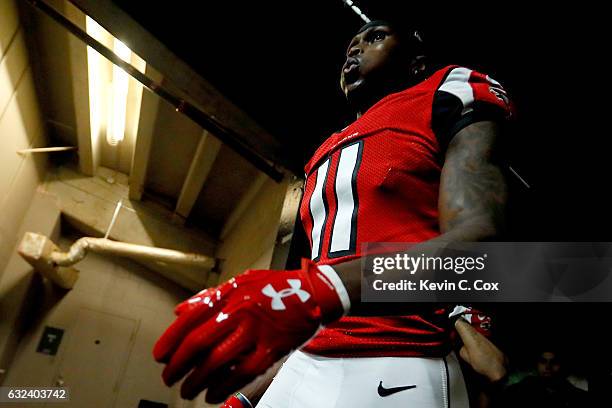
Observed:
{"x":56,"y":265}
{"x":46,"y":149}
{"x":81,"y":247}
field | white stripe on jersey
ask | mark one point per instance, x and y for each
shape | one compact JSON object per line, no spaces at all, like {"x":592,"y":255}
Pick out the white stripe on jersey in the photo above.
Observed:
{"x":341,"y":234}
{"x":336,"y":282}
{"x":457,"y":83}
{"x":317,"y":209}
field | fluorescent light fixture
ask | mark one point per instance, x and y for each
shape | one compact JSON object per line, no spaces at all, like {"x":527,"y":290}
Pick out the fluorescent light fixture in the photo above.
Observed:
{"x":95,"y":63}
{"x":115,"y":131}
{"x":108,"y":87}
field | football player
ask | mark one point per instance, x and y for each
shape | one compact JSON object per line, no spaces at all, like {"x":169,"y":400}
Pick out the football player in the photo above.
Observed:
{"x":421,"y":163}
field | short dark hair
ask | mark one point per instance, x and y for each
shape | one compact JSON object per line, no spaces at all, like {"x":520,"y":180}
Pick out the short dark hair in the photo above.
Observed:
{"x":406,"y":32}
{"x":554,"y":349}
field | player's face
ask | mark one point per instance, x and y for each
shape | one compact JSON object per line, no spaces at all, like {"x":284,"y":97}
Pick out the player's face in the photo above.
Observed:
{"x":371,"y":57}
{"x":548,"y":365}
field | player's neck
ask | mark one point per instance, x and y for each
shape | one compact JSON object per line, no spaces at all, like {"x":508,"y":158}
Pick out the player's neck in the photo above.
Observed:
{"x":362,"y":103}
{"x":366,"y":103}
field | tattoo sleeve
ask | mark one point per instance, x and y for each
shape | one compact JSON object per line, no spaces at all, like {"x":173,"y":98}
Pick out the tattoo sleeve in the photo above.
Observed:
{"x":473,"y":189}
{"x":472,"y":203}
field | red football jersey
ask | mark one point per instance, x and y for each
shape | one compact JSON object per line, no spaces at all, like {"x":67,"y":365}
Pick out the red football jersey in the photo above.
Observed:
{"x":377,"y":181}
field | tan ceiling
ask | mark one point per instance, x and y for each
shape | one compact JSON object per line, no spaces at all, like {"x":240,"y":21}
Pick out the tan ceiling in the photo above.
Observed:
{"x":174,"y":140}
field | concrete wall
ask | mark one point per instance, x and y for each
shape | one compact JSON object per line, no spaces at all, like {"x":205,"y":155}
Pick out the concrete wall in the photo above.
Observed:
{"x":107,"y":287}
{"x":250,"y":243}
{"x":19,"y":281}
{"x":122,"y":291}
{"x":21,"y":127}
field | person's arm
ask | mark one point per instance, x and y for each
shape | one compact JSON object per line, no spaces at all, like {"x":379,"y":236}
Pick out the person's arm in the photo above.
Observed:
{"x":486,"y":360}
{"x":471,"y":205}
{"x":252,"y":320}
{"x":484,"y":357}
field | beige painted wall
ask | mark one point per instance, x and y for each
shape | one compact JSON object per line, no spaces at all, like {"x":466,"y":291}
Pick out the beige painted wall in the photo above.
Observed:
{"x":250,"y":243}
{"x":114,"y":287}
{"x":17,"y":282}
{"x":21,"y":127}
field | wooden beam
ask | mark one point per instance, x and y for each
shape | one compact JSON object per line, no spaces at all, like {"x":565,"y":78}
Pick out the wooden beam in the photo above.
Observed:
{"x":144,"y":138}
{"x":203,"y":160}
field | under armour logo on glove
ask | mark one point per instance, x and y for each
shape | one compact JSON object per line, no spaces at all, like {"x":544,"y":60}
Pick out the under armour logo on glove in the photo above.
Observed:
{"x":235,"y":325}
{"x":277,"y":297}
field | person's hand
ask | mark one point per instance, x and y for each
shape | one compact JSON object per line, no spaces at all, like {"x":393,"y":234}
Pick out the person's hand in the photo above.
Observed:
{"x":226,"y":336}
{"x":480,"y":353}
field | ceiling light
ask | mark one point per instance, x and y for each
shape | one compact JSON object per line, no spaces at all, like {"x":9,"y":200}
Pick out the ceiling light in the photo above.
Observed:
{"x":115,"y":131}
{"x":108,"y":87}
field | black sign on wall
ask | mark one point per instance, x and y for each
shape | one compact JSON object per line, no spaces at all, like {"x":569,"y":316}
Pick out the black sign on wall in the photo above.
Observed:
{"x":50,"y":340}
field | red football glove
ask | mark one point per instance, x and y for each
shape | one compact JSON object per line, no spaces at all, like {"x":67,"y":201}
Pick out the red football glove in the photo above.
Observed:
{"x":238,"y":400}
{"x":193,"y":301}
{"x":230,"y":334}
{"x":479,"y":321}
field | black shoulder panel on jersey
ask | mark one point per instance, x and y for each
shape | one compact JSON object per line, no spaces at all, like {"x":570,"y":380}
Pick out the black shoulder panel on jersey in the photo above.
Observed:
{"x":447,"y":117}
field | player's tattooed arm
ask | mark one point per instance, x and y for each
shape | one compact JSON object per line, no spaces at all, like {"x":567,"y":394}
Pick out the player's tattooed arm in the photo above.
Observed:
{"x":472,"y":201}
{"x":473,"y":191}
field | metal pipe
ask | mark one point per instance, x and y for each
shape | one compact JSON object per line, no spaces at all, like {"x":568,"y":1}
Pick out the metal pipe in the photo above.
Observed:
{"x":79,"y":249}
{"x":115,"y":214}
{"x":46,"y":149}
{"x":225,"y":134}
